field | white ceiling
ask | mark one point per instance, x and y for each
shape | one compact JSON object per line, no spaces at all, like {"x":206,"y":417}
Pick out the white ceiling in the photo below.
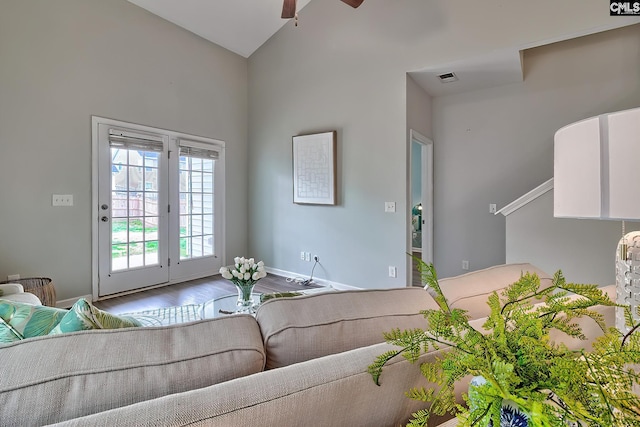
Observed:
{"x":241,"y":26}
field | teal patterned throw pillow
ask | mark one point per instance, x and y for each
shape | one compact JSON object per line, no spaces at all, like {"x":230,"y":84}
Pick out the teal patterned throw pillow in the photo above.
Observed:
{"x":22,"y":320}
{"x":7,"y":333}
{"x":84,"y":316}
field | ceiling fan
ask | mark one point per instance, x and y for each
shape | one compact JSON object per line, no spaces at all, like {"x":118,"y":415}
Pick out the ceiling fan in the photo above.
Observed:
{"x":289,"y":7}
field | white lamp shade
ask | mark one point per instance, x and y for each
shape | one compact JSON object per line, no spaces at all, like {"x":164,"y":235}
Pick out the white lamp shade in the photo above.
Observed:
{"x":596,"y":172}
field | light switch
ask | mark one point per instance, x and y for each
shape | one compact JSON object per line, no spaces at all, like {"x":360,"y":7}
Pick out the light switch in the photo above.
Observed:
{"x":62,"y":200}
{"x":389,"y":206}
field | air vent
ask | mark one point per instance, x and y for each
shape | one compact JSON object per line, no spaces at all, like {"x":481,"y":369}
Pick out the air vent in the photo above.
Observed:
{"x":448,"y":77}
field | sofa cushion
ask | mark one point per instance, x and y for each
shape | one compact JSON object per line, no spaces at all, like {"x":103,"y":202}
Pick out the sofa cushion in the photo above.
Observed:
{"x":83,"y":316}
{"x":311,"y":326}
{"x":80,"y":373}
{"x":24,"y":320}
{"x":471,"y":291}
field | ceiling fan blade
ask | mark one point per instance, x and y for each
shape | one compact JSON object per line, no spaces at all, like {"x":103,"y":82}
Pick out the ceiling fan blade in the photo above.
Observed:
{"x":353,"y":3}
{"x":289,"y":9}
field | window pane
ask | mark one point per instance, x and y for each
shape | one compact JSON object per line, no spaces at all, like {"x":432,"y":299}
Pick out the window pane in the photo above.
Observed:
{"x":151,"y":159}
{"x":196,"y":199}
{"x":136,"y":258}
{"x":185,"y":223}
{"x":136,"y":230}
{"x":151,"y":253}
{"x":118,"y":204}
{"x":151,"y":179}
{"x":119,"y":231}
{"x":208,"y":245}
{"x":207,"y":165}
{"x":118,"y":257}
{"x":185,"y":181}
{"x":196,"y":225}
{"x":197,"y":246}
{"x":151,"y":204}
{"x":207,"y":183}
{"x":207,"y":203}
{"x":196,"y":182}
{"x":135,"y":178}
{"x":207,"y":224}
{"x":185,"y":247}
{"x":119,"y":177}
{"x":151,"y":229}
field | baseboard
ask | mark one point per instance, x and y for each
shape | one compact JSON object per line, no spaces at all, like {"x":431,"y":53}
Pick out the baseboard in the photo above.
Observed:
{"x":317,"y":281}
{"x":67,"y":303}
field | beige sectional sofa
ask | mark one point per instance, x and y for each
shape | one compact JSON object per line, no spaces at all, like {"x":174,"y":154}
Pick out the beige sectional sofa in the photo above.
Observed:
{"x":300,"y":361}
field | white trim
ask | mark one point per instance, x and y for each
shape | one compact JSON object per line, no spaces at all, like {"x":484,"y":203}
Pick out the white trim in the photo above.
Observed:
{"x":322,"y":282}
{"x":527,"y":198}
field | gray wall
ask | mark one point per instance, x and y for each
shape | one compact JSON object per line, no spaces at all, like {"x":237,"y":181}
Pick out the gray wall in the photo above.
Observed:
{"x":585,"y":250}
{"x":494,"y":145}
{"x":65,"y":60}
{"x":346,"y":69}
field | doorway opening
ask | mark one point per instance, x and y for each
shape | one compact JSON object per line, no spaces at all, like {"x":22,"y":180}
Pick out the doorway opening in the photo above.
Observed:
{"x":420,"y":203}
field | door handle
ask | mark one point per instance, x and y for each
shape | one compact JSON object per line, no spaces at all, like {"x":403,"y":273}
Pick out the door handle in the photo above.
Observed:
{"x":104,"y":219}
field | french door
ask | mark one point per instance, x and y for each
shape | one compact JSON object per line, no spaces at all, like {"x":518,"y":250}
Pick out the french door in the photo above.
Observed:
{"x":158,"y":206}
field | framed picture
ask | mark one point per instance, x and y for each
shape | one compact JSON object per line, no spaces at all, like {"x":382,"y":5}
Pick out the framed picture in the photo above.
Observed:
{"x":314,"y":168}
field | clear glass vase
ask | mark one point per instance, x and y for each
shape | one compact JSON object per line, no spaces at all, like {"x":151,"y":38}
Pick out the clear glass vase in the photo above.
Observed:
{"x":245,"y":302}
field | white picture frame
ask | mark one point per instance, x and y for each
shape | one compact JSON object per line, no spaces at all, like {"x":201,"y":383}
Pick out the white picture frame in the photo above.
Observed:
{"x":314,"y":168}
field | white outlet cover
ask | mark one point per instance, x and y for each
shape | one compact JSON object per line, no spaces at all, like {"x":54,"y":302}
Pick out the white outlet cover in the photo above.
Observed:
{"x":62,"y":200}
{"x":392,"y":271}
{"x":389,"y":206}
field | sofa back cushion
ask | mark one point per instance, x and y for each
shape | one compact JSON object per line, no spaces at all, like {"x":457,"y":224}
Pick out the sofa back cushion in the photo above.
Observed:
{"x":311,"y":326}
{"x":470,"y":291}
{"x":79,"y":373}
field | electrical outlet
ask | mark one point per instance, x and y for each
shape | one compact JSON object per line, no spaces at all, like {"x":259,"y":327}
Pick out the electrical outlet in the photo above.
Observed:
{"x":390,"y":207}
{"x":316,"y":258}
{"x":307,"y":256}
{"x":392,"y":271}
{"x":465,"y":264}
{"x":302,"y":255}
{"x":62,"y":200}
{"x":13,"y":277}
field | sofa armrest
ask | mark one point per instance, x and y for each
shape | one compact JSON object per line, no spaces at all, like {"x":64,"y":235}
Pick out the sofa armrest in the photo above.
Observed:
{"x":10,"y":289}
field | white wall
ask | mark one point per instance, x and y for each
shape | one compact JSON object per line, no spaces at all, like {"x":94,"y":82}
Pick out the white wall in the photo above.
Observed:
{"x":65,"y":60}
{"x":494,"y":145}
{"x":585,"y":250}
{"x":345,"y":69}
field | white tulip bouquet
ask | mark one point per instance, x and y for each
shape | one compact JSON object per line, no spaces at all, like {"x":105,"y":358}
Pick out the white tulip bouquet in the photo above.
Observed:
{"x":244,"y":274}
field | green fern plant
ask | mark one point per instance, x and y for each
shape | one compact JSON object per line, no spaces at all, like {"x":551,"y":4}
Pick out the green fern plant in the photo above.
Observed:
{"x":515,"y":355}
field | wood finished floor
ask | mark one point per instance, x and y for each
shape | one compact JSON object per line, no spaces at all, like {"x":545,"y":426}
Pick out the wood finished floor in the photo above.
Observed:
{"x":192,"y":292}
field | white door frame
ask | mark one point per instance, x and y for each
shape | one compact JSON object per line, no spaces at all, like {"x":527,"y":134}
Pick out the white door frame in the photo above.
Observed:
{"x":427,"y":199}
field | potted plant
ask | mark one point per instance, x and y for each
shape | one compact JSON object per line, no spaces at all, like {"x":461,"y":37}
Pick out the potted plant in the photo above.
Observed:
{"x":517,"y":362}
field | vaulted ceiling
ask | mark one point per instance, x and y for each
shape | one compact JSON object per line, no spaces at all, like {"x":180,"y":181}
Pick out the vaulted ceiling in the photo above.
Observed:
{"x":242,"y":26}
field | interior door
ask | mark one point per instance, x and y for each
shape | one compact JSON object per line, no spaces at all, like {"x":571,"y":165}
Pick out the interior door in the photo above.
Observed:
{"x":132,"y":214}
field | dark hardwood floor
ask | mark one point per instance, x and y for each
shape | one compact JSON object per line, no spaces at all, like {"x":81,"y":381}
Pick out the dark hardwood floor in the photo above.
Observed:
{"x":192,"y":292}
